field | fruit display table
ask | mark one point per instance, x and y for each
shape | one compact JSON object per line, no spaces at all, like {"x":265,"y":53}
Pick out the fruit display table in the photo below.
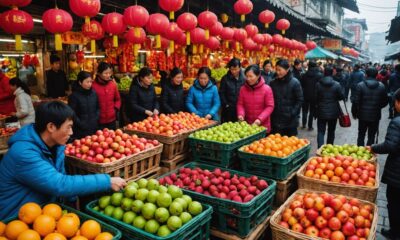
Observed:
{"x":357,"y":152}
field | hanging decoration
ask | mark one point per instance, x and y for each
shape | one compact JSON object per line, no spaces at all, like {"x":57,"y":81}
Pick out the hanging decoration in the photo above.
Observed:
{"x":224,"y":18}
{"x":259,"y":38}
{"x":187,"y":22}
{"x":213,"y":43}
{"x":239,"y":36}
{"x":57,"y":21}
{"x":94,"y":31}
{"x":137,"y":17}
{"x":207,"y":20}
{"x":113,"y":23}
{"x":157,"y":25}
{"x":227,"y":34}
{"x":15,"y":3}
{"x":266,"y":17}
{"x":216,"y":29}
{"x":198,"y":38}
{"x":16,"y":22}
{"x":173,"y":33}
{"x":243,"y":7}
{"x":132,"y":37}
{"x":310,"y":45}
{"x":251,"y":30}
{"x":171,"y":6}
{"x":283,"y":25}
{"x":85,"y":8}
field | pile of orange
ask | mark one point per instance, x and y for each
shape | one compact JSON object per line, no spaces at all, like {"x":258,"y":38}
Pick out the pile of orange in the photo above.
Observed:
{"x":276,"y":145}
{"x":50,"y":223}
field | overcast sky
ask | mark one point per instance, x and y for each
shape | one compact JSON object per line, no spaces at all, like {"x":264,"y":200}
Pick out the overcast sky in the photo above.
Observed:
{"x":378,"y":13}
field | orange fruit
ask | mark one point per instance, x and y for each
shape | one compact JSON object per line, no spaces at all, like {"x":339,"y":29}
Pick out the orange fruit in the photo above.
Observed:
{"x":2,"y":228}
{"x":104,"y":236}
{"x":68,"y":225}
{"x":3,"y":238}
{"x":29,"y":212}
{"x":55,"y":236}
{"x":29,"y":235}
{"x":15,"y":228}
{"x":90,"y":229}
{"x":79,"y":238}
{"x":44,"y":225}
{"x":53,"y":210}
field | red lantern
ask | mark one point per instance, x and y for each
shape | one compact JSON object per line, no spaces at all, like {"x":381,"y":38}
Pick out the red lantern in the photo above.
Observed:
{"x":277,"y":39}
{"x":251,"y":30}
{"x":15,"y":3}
{"x":243,"y":7}
{"x":173,"y":33}
{"x":16,"y":22}
{"x":187,"y":22}
{"x":113,"y":23}
{"x":266,"y":17}
{"x":216,"y":29}
{"x":249,"y":44}
{"x":227,"y":34}
{"x":240,"y":34}
{"x":213,"y":43}
{"x":181,"y":40}
{"x":136,"y":16}
{"x":94,"y":31}
{"x":57,"y":21}
{"x":85,"y":8}
{"x":267,"y":39}
{"x":345,"y":50}
{"x":286,"y":43}
{"x":207,"y":20}
{"x":259,"y":38}
{"x":271,"y":49}
{"x":311,"y":45}
{"x":164,"y":43}
{"x":157,"y":25}
{"x":198,"y":38}
{"x":132,"y":37}
{"x":283,"y":25}
{"x":171,"y":6}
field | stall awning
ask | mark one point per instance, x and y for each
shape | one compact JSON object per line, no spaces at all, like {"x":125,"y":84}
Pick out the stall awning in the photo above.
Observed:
{"x":393,"y":51}
{"x":321,"y":53}
{"x":344,"y":59}
{"x":349,"y":4}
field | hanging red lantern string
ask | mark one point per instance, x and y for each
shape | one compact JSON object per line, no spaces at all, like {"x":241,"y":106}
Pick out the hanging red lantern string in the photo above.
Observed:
{"x":187,"y":22}
{"x":94,"y":31}
{"x":198,"y":38}
{"x":213,"y":43}
{"x":15,"y":3}
{"x":243,"y":7}
{"x":283,"y":25}
{"x":157,"y":25}
{"x":57,"y":21}
{"x":207,"y":20}
{"x":171,"y":6}
{"x":227,"y":34}
{"x":136,"y":17}
{"x":266,"y":17}
{"x":16,"y":22}
{"x":216,"y":29}
{"x":310,"y":45}
{"x":249,"y":45}
{"x":251,"y":30}
{"x":113,"y":23}
{"x":85,"y":8}
{"x":259,"y":38}
{"x":239,"y":36}
{"x":173,"y":33}
{"x":136,"y":40}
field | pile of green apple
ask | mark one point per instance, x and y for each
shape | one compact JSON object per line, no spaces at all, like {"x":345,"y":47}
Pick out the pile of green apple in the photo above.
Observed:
{"x":147,"y":205}
{"x":228,"y":132}
{"x":354,"y":151}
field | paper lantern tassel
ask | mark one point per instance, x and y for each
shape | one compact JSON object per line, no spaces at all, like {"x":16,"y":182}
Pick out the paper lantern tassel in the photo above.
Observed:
{"x":18,"y":43}
{"x":171,"y":15}
{"x":187,"y":38}
{"x":58,"y":42}
{"x":115,"y":41}
{"x":171,"y":46}
{"x":158,"y":41}
{"x":93,"y":46}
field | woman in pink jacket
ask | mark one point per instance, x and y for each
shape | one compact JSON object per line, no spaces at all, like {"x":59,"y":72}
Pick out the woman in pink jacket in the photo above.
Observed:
{"x":256,"y":101}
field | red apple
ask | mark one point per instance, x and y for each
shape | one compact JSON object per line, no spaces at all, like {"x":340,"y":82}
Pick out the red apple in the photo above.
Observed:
{"x":312,"y":214}
{"x":343,"y":216}
{"x":321,"y":222}
{"x":359,"y":221}
{"x":297,"y":228}
{"x":284,"y":224}
{"x":334,"y":224}
{"x":327,"y":213}
{"x":305,"y":222}
{"x":299,"y":213}
{"x":309,"y":202}
{"x":337,"y":235}
{"x":312,"y":231}
{"x":325,"y":233}
{"x":319,"y":203}
{"x":336,"y":204}
{"x":348,"y":229}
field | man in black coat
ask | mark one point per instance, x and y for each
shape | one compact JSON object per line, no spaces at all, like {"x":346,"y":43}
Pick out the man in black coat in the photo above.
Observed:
{"x":369,"y":98}
{"x":229,"y":90}
{"x":391,"y":172}
{"x":328,"y":93}
{"x":356,"y":77}
{"x":308,"y":83}
{"x":297,"y":69}
{"x":56,"y":80}
{"x":394,"y":84}
{"x":267,"y":72}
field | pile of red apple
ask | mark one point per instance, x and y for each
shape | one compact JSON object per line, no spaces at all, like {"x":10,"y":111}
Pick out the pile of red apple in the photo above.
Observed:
{"x":8,"y":131}
{"x":342,"y":169}
{"x":170,"y":124}
{"x":217,"y":183}
{"x":328,"y":216}
{"x":108,"y":146}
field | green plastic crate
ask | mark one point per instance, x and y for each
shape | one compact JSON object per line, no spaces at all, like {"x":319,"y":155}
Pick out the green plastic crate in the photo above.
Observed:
{"x":196,"y":229}
{"x":83,"y":217}
{"x":273,"y":167}
{"x":234,"y":217}
{"x":217,"y":153}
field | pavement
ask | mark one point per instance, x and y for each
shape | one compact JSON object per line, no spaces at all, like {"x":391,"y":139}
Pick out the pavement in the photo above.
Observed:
{"x":349,"y":136}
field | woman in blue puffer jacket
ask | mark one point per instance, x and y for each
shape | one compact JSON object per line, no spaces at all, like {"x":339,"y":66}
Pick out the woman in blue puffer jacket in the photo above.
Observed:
{"x":203,"y":98}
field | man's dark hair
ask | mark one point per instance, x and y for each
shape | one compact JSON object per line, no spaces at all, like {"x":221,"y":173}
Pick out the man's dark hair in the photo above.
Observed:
{"x":357,"y":67}
{"x":234,"y":62}
{"x":328,"y":71}
{"x":144,"y":72}
{"x":205,"y":70}
{"x":103,"y":66}
{"x":266,"y":62}
{"x":254,"y":68}
{"x":55,"y":112}
{"x":312,"y":64}
{"x":283,"y":63}
{"x":297,"y":62}
{"x":82,"y":75}
{"x":371,"y":72}
{"x":54,"y":59}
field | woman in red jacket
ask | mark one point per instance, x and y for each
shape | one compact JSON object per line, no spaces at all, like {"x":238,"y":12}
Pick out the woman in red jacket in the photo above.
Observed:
{"x":109,"y":98}
{"x":256,"y":101}
{"x":6,"y":95}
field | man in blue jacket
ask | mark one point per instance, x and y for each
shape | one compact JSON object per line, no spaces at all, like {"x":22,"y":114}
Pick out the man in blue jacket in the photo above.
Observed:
{"x":33,"y":169}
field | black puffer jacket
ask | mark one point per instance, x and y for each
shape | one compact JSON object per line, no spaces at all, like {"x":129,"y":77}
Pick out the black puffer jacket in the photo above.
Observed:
{"x":172,"y":98}
{"x":328,"y":93}
{"x":288,"y":97}
{"x":391,"y":172}
{"x":229,"y":89}
{"x":342,"y":80}
{"x":140,"y":100}
{"x":87,"y":111}
{"x":309,"y":81}
{"x":370,"y":97}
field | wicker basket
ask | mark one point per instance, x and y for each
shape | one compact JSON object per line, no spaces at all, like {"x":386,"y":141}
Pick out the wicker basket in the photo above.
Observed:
{"x":4,"y":141}
{"x":281,"y":233}
{"x":356,"y":191}
{"x":128,"y":168}
{"x":319,"y":153}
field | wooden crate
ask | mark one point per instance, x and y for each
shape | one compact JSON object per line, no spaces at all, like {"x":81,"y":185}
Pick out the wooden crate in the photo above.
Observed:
{"x":258,"y":233}
{"x":172,"y":164}
{"x":131,"y":167}
{"x":284,"y":189}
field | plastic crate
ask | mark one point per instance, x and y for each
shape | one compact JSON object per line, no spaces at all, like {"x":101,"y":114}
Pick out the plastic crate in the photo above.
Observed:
{"x":273,"y":167}
{"x":196,"y":229}
{"x":83,"y":217}
{"x":217,"y":153}
{"x":234,"y":217}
